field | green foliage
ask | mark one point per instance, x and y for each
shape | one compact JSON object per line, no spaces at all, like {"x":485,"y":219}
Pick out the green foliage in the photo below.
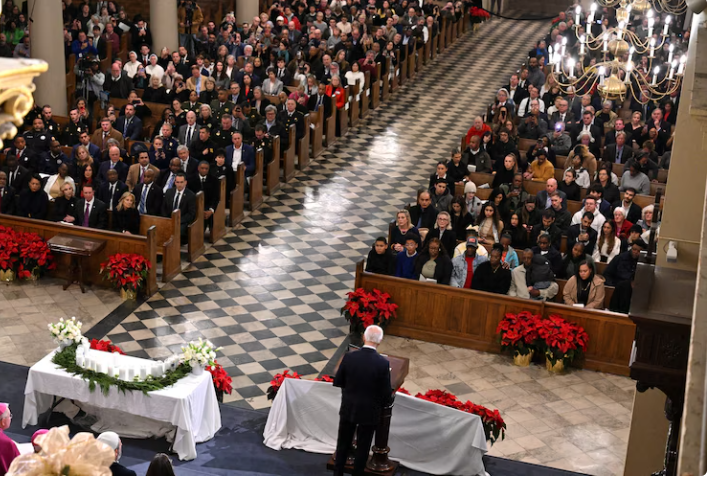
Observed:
{"x":66,"y":359}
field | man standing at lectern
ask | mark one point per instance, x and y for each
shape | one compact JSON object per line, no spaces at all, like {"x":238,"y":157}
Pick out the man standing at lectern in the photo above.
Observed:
{"x":365,"y":379}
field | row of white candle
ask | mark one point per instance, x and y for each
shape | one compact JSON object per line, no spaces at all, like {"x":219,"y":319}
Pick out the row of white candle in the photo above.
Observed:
{"x":105,"y":363}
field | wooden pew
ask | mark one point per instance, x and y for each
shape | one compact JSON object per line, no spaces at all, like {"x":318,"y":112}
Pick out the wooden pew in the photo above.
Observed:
{"x":317,"y":133}
{"x":354,"y":105}
{"x":574,"y":206}
{"x":434,"y":47}
{"x":255,"y":192}
{"x":426,"y":51}
{"x":237,"y":199}
{"x":419,"y":54}
{"x":331,"y":125}
{"x":218,"y":223}
{"x":365,"y":95}
{"x":662,"y":176}
{"x":195,"y":231}
{"x":344,"y":115}
{"x":403,"y":67}
{"x":385,"y":79}
{"x":526,"y":144}
{"x":303,"y":146}
{"x":534,"y":187}
{"x":644,"y":200}
{"x":288,"y":157}
{"x":394,"y":77}
{"x":375,"y":88}
{"x":156,"y":111}
{"x":411,"y":61}
{"x":482,"y":194}
{"x":561,"y":285}
{"x":273,"y":169}
{"x":480,"y":178}
{"x":167,"y":236}
{"x":469,"y":319}
{"x":145,"y":245}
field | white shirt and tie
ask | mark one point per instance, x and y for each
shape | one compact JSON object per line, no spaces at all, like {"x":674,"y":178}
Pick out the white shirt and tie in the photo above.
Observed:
{"x":236,"y":159}
{"x":178,"y":198}
{"x":170,"y":182}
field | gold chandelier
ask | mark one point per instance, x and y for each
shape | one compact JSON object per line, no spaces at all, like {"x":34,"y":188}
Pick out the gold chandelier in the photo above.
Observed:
{"x":673,"y":7}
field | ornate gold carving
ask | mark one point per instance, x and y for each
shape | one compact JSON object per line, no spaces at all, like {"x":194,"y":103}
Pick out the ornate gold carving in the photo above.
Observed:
{"x":16,"y":88}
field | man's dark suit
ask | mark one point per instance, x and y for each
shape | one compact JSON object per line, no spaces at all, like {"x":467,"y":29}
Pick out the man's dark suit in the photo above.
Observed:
{"x":365,"y":379}
{"x":277,"y":129}
{"x":611,"y":137}
{"x":98,"y":216}
{"x":120,"y":88}
{"x":7,"y":200}
{"x":21,"y":179}
{"x":182,"y":134}
{"x":120,"y":469}
{"x":573,"y":234}
{"x":153,"y":200}
{"x":595,"y":132}
{"x":610,"y":153}
{"x":567,"y":121}
{"x":135,"y":127}
{"x":248,"y":157}
{"x":187,"y":206}
{"x":542,"y":198}
{"x":25,"y":158}
{"x":104,"y":193}
{"x":211,"y":189}
{"x":326,"y":102}
{"x":634,"y":214}
{"x":192,"y":166}
{"x":120,"y":167}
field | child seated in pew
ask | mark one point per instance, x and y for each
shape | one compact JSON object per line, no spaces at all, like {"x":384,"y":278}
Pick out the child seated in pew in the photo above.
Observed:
{"x":381,"y":259}
{"x":405,"y":260}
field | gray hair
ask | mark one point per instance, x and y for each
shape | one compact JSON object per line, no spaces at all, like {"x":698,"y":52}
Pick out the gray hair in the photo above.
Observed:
{"x":182,"y":148}
{"x":270,"y":108}
{"x":373,"y":334}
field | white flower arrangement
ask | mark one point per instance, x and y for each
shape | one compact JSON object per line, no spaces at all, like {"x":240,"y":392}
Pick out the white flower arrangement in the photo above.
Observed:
{"x":200,"y":353}
{"x":69,"y":330}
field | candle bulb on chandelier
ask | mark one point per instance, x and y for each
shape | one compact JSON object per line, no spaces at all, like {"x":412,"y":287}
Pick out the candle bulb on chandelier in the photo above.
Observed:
{"x":656,"y":73}
{"x":628,"y":74}
{"x":682,"y":65}
{"x":604,"y":43}
{"x":671,"y":71}
{"x":650,"y":26}
{"x":601,"y":72}
{"x":564,"y":42}
{"x":571,"y":68}
{"x":652,"y":43}
{"x":666,"y":25}
{"x":577,"y":15}
{"x":621,"y":30}
{"x":671,"y":53}
{"x":582,"y":45}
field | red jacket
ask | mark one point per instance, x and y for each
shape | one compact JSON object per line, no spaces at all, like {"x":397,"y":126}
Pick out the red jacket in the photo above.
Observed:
{"x":474,"y":132}
{"x":338,"y":93}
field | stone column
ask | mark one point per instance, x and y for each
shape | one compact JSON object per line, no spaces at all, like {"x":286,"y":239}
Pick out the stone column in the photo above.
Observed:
{"x":246,"y":10}
{"x":46,"y":33}
{"x":163,"y":14}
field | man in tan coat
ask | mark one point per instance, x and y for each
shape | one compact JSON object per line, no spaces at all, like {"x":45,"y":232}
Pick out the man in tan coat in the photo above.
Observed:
{"x":190,"y":17}
{"x":101,"y":136}
{"x":137,"y":171}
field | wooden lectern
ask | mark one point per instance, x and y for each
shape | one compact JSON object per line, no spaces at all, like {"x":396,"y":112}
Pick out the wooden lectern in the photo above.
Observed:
{"x":379,"y":463}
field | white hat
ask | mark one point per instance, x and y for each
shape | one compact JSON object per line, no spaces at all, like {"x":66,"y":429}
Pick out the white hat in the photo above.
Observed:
{"x":470,"y":187}
{"x":109,"y":438}
{"x":279,"y":19}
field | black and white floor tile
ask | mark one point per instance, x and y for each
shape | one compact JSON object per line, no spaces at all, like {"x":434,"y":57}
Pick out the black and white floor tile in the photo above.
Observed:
{"x":270,"y":292}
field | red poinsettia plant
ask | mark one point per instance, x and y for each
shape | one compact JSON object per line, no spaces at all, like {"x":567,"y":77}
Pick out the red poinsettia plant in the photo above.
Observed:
{"x":277,"y":381}
{"x":220,"y":378}
{"x":494,"y":425}
{"x":562,"y":340}
{"x":477,"y":12}
{"x":364,"y":309}
{"x":519,"y":333}
{"x":126,"y":270}
{"x":9,"y":249}
{"x":105,"y":345}
{"x":34,"y":255}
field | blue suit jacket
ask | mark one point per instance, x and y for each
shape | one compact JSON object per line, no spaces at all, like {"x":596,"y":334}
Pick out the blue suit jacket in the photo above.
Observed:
{"x":120,"y":167}
{"x":135,"y":128}
{"x":248,"y":157}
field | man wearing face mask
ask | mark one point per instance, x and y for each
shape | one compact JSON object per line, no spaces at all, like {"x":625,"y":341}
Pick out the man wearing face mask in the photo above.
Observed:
{"x":112,"y":440}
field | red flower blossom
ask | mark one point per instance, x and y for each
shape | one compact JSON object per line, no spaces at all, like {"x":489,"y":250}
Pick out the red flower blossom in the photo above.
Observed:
{"x":105,"y":345}
{"x":364,"y":309}
{"x":126,"y":270}
{"x":220,"y":378}
{"x":277,"y":381}
{"x":326,"y":378}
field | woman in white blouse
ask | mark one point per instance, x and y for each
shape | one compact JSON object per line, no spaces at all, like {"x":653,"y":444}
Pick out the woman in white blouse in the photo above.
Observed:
{"x":231,"y":69}
{"x":153,"y":69}
{"x":608,"y":244}
{"x":131,"y":66}
{"x":355,"y":75}
{"x":272,"y":86}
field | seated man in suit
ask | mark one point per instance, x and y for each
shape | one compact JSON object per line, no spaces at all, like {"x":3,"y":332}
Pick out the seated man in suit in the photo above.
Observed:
{"x":318,"y":99}
{"x":612,"y":135}
{"x":365,"y":379}
{"x":587,"y":123}
{"x":110,"y":192}
{"x":136,"y":172}
{"x":7,"y":196}
{"x":632,"y":211}
{"x":543,"y":198}
{"x":105,"y":155}
{"x":239,"y":152}
{"x":148,"y":194}
{"x":168,"y":176}
{"x":17,"y":175}
{"x":130,"y":125}
{"x":104,"y":133}
{"x":186,"y":163}
{"x":619,"y":152}
{"x":25,"y":156}
{"x":583,"y":233}
{"x":180,"y":197}
{"x":209,"y":184}
{"x":114,"y":162}
{"x":85,"y":140}
{"x":90,"y":212}
{"x":190,"y":131}
{"x":274,"y":127}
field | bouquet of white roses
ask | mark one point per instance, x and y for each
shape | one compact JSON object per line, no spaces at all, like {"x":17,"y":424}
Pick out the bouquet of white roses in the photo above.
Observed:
{"x":200,"y":353}
{"x":69,"y":330}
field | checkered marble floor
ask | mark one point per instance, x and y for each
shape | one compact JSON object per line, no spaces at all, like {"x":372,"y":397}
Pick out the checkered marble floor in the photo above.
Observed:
{"x":270,"y":292}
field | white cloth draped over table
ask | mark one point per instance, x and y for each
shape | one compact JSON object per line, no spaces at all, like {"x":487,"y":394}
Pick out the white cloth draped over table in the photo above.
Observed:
{"x":189,"y":405}
{"x":424,"y":436}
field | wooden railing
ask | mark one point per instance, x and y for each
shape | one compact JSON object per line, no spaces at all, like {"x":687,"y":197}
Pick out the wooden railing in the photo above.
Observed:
{"x":469,"y":319}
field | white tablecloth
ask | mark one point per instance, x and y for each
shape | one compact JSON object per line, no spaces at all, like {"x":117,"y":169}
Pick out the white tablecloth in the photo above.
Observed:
{"x":424,"y":436}
{"x":190,"y":405}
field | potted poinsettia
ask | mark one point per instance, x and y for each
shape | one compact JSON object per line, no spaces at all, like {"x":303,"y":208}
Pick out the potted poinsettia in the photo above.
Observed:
{"x":519,"y":333}
{"x":277,"y":381}
{"x":127,"y":271}
{"x":221,"y":379}
{"x":364,"y":309}
{"x":9,"y":254}
{"x":563,"y":341}
{"x":35,"y":256}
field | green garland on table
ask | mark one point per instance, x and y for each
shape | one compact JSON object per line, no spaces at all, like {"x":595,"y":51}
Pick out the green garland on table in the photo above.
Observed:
{"x":66,"y":359}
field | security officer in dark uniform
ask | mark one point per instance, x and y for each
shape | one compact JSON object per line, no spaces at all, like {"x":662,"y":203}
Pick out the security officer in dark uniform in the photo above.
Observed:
{"x":73,"y":130}
{"x":38,"y":139}
{"x":251,"y":114}
{"x":202,"y":149}
{"x":169,"y":145}
{"x":49,"y":123}
{"x":290,"y":115}
{"x":222,"y":106}
{"x":222,"y":136}
{"x":49,"y":162}
{"x":261,"y":140}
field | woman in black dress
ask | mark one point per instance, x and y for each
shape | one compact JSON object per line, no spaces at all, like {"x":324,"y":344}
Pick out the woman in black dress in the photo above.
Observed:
{"x":33,"y":201}
{"x":64,"y":206}
{"x":126,"y":218}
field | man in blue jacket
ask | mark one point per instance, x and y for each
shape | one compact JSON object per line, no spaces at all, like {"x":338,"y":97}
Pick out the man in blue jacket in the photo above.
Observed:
{"x":239,"y":152}
{"x":405,"y":262}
